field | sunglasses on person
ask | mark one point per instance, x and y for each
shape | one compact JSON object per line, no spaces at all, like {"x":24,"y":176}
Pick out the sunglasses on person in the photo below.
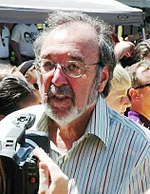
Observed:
{"x":142,"y":86}
{"x":138,"y":87}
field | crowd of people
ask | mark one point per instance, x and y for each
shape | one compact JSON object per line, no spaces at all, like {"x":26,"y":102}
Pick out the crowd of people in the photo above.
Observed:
{"x":94,"y":108}
{"x":16,"y":42}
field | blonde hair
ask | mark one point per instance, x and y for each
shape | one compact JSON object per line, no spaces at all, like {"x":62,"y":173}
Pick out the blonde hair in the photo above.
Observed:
{"x":121,"y":78}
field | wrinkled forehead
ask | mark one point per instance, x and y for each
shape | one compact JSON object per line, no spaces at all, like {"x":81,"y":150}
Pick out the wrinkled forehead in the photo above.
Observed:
{"x":79,"y":28}
{"x":75,"y":35}
{"x":73,"y":31}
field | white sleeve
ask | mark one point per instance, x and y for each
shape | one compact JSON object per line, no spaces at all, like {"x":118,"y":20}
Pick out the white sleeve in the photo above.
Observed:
{"x":16,"y":33}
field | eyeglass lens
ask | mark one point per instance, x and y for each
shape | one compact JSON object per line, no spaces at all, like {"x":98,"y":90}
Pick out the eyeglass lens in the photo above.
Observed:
{"x":71,"y":68}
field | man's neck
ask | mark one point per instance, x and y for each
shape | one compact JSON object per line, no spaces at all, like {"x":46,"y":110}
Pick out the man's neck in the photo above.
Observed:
{"x":64,"y":137}
{"x":145,"y":114}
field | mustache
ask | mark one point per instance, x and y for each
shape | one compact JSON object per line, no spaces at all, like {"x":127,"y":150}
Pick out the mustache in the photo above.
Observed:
{"x":63,"y":90}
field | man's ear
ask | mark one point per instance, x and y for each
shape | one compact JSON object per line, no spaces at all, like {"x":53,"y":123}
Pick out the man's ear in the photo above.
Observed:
{"x":104,"y":78}
{"x":134,"y":94}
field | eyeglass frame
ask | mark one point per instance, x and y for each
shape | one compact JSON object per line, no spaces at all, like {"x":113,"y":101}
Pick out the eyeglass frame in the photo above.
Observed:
{"x":138,"y":87}
{"x":83,"y":67}
{"x":142,"y":86}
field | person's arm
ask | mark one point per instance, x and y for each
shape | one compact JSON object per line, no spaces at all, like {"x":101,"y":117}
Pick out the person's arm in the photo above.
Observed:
{"x":134,"y":37}
{"x":15,"y":47}
{"x":51,"y":178}
{"x":123,"y":48}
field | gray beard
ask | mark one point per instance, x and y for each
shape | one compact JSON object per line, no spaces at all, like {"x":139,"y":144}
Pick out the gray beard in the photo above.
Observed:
{"x":74,"y":112}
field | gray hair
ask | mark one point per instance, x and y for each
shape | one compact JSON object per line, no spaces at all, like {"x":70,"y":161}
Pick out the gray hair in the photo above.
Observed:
{"x":141,"y":51}
{"x":104,"y":34}
{"x":133,"y":72}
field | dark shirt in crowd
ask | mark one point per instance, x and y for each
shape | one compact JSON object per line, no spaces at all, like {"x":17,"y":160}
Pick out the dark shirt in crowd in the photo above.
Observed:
{"x":135,"y":116}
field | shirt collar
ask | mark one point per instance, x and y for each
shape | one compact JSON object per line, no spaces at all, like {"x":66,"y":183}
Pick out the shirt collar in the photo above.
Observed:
{"x":100,"y":121}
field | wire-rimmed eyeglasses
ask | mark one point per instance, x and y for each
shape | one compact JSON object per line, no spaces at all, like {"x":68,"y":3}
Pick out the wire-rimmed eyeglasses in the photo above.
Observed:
{"x":73,"y":69}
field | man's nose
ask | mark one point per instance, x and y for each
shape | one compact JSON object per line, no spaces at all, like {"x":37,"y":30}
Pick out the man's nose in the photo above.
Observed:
{"x":59,"y":78}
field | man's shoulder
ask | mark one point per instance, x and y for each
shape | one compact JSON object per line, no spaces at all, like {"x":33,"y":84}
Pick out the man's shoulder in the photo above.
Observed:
{"x":17,"y":30}
{"x":131,"y":127}
{"x":6,"y":29}
{"x":18,"y":26}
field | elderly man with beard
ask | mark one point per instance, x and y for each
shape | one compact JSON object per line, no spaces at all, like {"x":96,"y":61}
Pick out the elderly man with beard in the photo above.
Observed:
{"x":93,"y":149}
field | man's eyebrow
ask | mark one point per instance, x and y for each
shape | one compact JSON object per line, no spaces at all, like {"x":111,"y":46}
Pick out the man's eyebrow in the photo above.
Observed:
{"x":76,"y":58}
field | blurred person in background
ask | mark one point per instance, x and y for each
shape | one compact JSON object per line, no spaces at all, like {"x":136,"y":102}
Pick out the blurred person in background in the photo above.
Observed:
{"x":8,"y":69}
{"x":117,"y":98}
{"x":28,"y":70}
{"x":123,"y":48}
{"x":30,"y":75}
{"x":4,"y":43}
{"x":141,"y":51}
{"x":139,"y":93}
{"x":22,"y":38}
{"x":124,"y":52}
{"x":15,"y":94}
{"x":138,"y":36}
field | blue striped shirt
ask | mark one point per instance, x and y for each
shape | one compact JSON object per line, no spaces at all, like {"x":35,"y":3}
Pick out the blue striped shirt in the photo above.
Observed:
{"x":112,"y":157}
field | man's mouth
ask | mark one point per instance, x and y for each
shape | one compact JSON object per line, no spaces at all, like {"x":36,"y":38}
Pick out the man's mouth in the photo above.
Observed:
{"x":60,"y":101}
{"x":60,"y":97}
{"x":60,"y":92}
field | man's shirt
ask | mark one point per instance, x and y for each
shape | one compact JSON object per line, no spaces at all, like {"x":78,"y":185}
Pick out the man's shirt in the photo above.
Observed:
{"x":25,"y":35}
{"x":112,"y":157}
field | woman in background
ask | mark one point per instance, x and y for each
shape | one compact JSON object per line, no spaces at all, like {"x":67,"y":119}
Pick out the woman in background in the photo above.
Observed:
{"x":121,"y":82}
